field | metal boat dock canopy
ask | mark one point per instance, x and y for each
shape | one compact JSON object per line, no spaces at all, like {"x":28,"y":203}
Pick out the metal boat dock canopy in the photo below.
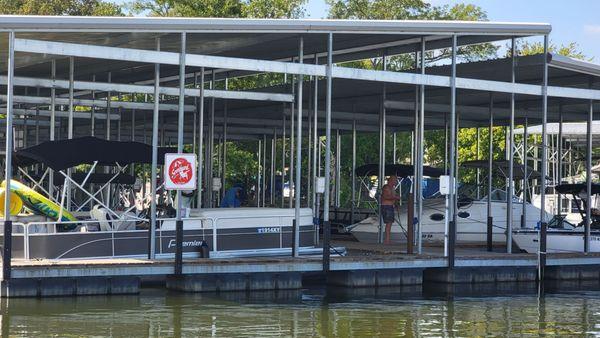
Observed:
{"x":577,"y":188}
{"x":503,"y":166}
{"x":243,"y":43}
{"x":569,"y":129}
{"x":400,"y":170}
{"x":573,"y":132}
{"x":63,"y":154}
{"x":98,"y":63}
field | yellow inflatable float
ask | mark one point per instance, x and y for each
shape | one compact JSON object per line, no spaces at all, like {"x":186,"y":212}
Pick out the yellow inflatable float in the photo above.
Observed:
{"x":33,"y":200}
{"x":16,"y":203}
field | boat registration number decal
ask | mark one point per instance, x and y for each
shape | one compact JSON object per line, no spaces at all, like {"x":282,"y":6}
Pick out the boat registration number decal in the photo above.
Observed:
{"x":269,"y":230}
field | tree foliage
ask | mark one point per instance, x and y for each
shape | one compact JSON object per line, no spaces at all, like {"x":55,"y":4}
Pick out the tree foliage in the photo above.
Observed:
{"x":220,"y":8}
{"x":60,"y":7}
{"x":531,"y":48}
{"x":416,"y":10}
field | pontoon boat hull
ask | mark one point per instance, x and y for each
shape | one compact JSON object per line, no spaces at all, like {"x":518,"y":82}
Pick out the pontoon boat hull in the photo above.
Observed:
{"x":238,"y":230}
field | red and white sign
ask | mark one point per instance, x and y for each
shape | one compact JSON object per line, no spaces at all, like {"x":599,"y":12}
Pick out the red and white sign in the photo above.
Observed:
{"x":180,"y":171}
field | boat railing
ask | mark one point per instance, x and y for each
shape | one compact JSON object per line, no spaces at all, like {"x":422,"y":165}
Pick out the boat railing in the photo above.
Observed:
{"x":215,"y":220}
{"x":50,"y":227}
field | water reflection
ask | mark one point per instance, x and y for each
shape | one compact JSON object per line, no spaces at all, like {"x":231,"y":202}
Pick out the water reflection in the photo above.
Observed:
{"x":432,"y":310}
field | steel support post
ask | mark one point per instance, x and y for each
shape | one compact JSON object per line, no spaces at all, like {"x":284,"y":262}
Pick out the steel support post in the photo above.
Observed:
{"x":37,"y":127}
{"x":511,"y":157}
{"x":132,"y":168}
{"x":381,"y":176}
{"x":318,"y":202}
{"x":71,"y":107}
{"x":224,"y":146}
{"x":447,"y":198}
{"x":264,"y":171}
{"x":7,"y":239}
{"x":132,"y":125}
{"x":108,"y":110}
{"x":52,"y":124}
{"x":298,"y":176}
{"x":258,"y":174}
{"x":525,"y":175}
{"x":292,"y":144}
{"x":120,"y":112}
{"x":315,"y":149}
{"x":308,"y":170}
{"x":478,"y":156}
{"x":411,"y":206}
{"x":219,"y":160}
{"x":559,"y":165}
{"x":70,"y":124}
{"x":211,"y":148}
{"x":452,"y":158}
{"x":338,"y":169}
{"x":394,"y":148}
{"x":272,"y":169}
{"x":353,"y":194}
{"x":200,"y":140}
{"x":420,"y":155}
{"x":93,"y":110}
{"x":108,"y":131}
{"x":544,"y":165}
{"x":283,"y":161}
{"x":154,"y":172}
{"x":180,"y":126}
{"x":588,"y":179}
{"x":326,"y":223}
{"x":490,"y":178}
{"x":24,"y":128}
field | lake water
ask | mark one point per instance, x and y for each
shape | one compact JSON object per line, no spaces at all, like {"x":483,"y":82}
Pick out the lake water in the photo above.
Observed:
{"x":432,"y":310}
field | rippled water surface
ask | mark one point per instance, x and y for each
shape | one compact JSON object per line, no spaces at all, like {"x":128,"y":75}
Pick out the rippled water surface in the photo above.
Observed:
{"x":434,"y":310}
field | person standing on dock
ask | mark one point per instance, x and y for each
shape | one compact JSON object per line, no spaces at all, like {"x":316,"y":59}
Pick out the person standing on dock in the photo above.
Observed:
{"x":388,"y":203}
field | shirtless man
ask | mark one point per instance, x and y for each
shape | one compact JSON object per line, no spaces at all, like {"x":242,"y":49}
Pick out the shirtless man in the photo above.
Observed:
{"x":388,"y":202}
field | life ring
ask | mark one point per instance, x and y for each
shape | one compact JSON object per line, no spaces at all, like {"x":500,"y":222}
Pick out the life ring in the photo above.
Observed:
{"x":37,"y":202}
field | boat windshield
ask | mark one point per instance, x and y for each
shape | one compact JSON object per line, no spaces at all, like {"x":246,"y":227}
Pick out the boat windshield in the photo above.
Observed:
{"x":471,"y":191}
{"x":500,"y":195}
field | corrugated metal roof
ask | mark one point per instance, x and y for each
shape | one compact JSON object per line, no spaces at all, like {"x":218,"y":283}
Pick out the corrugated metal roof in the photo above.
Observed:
{"x":575,"y":65}
{"x":154,"y":24}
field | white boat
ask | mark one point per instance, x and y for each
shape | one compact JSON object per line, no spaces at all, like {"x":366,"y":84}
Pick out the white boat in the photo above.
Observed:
{"x":569,"y":205}
{"x":557,"y":240}
{"x":566,"y":236}
{"x":471,"y":221}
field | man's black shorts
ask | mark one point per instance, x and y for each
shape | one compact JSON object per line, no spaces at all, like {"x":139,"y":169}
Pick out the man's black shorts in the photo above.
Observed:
{"x":387,"y":213}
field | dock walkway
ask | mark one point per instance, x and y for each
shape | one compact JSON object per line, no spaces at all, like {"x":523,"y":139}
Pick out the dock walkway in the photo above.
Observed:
{"x":365,"y":265}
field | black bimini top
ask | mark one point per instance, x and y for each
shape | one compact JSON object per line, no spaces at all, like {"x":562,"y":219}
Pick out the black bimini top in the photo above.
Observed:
{"x":63,"y":154}
{"x":400,"y":170}
{"x":502,"y":167}
{"x":576,"y":188}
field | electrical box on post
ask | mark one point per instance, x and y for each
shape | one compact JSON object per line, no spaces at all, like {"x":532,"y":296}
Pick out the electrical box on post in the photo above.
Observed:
{"x":216,"y":184}
{"x":319,"y":185}
{"x":445,"y":182}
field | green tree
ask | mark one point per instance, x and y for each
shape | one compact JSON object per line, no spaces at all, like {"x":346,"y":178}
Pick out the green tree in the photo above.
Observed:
{"x":272,"y":9}
{"x":413,"y":10}
{"x":531,"y":48}
{"x":220,"y":8}
{"x":187,"y":8}
{"x":60,"y":7}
